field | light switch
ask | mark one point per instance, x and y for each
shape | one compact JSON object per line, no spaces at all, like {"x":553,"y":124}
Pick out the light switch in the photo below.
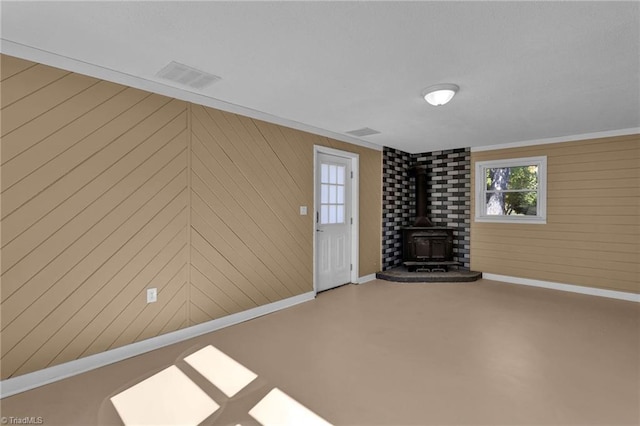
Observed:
{"x":152,"y":295}
{"x":303,"y":210}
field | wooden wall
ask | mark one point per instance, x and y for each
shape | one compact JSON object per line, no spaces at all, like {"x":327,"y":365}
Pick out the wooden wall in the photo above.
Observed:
{"x":592,"y":235}
{"x":108,"y":190}
{"x":248,"y":179}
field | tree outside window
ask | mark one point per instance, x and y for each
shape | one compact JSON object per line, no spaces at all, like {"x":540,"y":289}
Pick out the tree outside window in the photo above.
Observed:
{"x":511,"y":190}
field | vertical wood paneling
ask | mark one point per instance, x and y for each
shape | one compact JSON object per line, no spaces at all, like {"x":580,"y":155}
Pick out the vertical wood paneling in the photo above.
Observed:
{"x":592,"y":235}
{"x":94,"y":211}
{"x":108,"y":190}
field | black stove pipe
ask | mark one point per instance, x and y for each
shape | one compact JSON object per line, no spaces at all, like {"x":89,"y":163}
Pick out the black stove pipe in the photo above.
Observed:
{"x":420,"y":175}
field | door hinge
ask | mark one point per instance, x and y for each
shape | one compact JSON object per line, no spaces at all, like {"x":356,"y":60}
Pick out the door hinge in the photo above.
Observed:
{"x":352,"y":175}
{"x":352,"y":221}
{"x":351,"y":267}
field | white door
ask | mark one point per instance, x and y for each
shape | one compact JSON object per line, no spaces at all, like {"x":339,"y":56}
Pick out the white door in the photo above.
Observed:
{"x":333,"y":221}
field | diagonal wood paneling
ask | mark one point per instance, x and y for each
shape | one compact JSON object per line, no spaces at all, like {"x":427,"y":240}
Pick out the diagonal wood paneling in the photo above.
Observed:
{"x":108,"y":190}
{"x":94,"y":211}
{"x":265,"y":194}
{"x":248,"y":179}
{"x":30,"y":78}
{"x":84,"y":202}
{"x":294,"y":149}
{"x":30,"y":107}
{"x":11,"y":66}
{"x":220,"y":172}
{"x":592,"y":231}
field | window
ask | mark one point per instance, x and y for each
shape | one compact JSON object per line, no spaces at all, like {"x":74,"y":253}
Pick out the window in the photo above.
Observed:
{"x":512,"y":191}
{"x":332,"y":197}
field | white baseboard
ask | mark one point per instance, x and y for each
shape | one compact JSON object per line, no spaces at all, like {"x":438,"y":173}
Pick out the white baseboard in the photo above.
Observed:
{"x":45,"y":376}
{"x":366,"y":278}
{"x":612,"y":294}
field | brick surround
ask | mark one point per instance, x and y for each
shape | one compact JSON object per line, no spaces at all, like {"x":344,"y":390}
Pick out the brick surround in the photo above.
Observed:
{"x":449,"y":196}
{"x":396,"y":204}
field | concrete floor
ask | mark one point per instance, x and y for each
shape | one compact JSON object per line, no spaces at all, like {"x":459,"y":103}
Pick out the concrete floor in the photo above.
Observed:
{"x":404,"y":354}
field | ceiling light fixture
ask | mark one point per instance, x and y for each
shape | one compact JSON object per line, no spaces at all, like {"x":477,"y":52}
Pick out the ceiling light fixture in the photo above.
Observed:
{"x":440,"y":94}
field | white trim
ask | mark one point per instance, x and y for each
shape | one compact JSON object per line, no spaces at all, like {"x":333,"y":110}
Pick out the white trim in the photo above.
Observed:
{"x":612,"y":294}
{"x":355,"y":213}
{"x":480,"y":190}
{"x":355,"y":207}
{"x":337,"y":152}
{"x":366,"y":278}
{"x":560,"y":139}
{"x":38,"y":378}
{"x":52,"y":59}
{"x":512,"y":219}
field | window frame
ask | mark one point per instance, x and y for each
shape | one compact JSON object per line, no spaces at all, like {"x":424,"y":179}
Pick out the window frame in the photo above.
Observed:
{"x":481,"y":190}
{"x":337,"y":185}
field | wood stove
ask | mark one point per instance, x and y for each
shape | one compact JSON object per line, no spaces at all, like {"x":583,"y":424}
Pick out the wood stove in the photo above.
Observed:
{"x":424,"y":246}
{"x":427,"y":247}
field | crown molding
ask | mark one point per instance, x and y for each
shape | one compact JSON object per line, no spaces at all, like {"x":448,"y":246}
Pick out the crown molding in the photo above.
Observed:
{"x":22,"y":51}
{"x":570,"y":138}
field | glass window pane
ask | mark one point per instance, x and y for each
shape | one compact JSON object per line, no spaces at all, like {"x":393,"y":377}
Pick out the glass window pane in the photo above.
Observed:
{"x":340,"y":214}
{"x":521,"y":203}
{"x":495,"y":204}
{"x":341,"y":173}
{"x":523,"y":177}
{"x":324,"y":214}
{"x":324,"y":175}
{"x":332,"y":214}
{"x":512,"y":203}
{"x":340,"y":199}
{"x":511,"y":190}
{"x":497,"y":179}
{"x":332,"y":174}
{"x":332,"y":194}
{"x":324,"y":193}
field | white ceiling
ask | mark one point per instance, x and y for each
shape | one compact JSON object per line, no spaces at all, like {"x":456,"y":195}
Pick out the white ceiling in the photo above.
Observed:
{"x":526,"y":70}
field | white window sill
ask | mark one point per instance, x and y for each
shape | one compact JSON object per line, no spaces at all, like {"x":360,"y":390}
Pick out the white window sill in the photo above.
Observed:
{"x":532,"y":221}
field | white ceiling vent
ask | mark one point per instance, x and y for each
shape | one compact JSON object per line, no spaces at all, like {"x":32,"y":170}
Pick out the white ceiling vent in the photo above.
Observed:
{"x":187,"y":76}
{"x":365,"y":131}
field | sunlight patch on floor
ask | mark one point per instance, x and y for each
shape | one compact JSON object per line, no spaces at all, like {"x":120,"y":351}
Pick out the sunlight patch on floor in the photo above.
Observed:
{"x":279,"y":409}
{"x":167,"y":397}
{"x":222,"y":371}
{"x":171,"y":398}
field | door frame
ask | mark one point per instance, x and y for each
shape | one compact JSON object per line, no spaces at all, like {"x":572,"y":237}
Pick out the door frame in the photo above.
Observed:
{"x":355,"y":204}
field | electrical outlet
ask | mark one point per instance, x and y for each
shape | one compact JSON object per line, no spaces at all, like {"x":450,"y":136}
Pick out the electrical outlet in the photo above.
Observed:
{"x":152,"y":295}
{"x":303,"y":210}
